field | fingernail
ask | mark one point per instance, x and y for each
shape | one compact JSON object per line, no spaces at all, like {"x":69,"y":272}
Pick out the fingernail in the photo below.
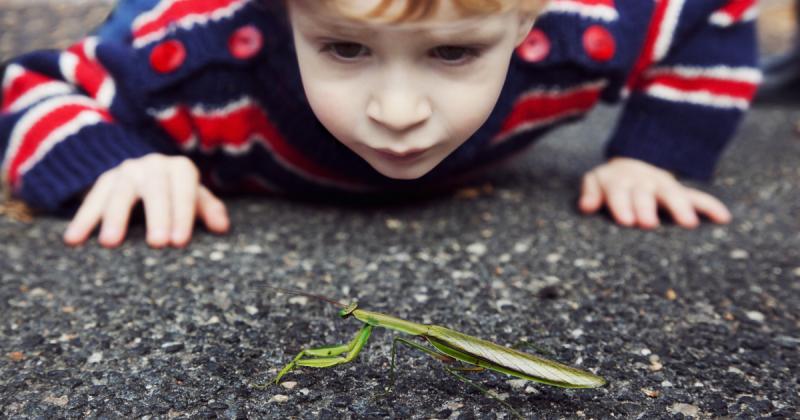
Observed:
{"x":71,"y":232}
{"x":109,"y":234}
{"x":178,"y":236}
{"x":158,"y":235}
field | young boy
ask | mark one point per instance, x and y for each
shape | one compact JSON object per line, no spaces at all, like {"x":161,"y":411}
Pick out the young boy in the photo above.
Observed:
{"x":357,"y":96}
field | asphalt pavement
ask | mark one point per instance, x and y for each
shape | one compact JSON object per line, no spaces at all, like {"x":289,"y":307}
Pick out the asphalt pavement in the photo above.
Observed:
{"x":702,"y":323}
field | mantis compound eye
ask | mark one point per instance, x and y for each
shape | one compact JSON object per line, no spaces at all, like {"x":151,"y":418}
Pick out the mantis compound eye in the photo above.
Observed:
{"x":348,"y":310}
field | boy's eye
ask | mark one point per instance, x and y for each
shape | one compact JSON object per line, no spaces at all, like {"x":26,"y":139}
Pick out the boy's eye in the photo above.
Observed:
{"x":346,"y":50}
{"x":454,"y":55}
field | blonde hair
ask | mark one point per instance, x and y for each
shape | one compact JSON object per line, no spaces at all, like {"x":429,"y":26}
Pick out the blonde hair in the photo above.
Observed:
{"x":418,"y":10}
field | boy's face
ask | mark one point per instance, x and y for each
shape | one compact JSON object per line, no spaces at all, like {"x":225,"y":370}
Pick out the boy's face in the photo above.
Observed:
{"x":403,"y":96}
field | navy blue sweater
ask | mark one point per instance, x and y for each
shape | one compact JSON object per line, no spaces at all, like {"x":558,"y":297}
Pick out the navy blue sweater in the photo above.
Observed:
{"x":218,"y":81}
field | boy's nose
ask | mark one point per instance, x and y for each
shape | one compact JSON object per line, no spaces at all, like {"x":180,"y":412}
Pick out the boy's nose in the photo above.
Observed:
{"x":399,"y":110}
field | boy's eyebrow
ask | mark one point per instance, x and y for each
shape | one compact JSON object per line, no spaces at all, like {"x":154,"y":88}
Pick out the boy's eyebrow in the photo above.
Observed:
{"x":467,"y":30}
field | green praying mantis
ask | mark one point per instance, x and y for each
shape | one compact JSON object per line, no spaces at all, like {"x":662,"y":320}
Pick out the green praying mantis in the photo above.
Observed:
{"x":448,"y":346}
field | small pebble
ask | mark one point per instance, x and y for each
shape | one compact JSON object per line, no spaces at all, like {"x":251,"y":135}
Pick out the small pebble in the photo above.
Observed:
{"x":16,"y":356}
{"x":280,"y":398}
{"x":739,"y":254}
{"x":504,"y":302}
{"x":477,"y":248}
{"x":61,"y":401}
{"x":298,"y":300}
{"x":652,"y":393}
{"x":576,"y":333}
{"x":394,"y":224}
{"x":755,"y":316}
{"x":553,"y":258}
{"x":671,"y":294}
{"x":289,"y":384}
{"x":420,"y":298}
{"x":468,"y":193}
{"x":96,"y":357}
{"x":216,"y":256}
{"x":688,"y":410}
{"x":796,"y":272}
{"x":253,"y":249}
{"x":250,"y":309}
{"x":172,"y":347}
{"x":517,"y":384}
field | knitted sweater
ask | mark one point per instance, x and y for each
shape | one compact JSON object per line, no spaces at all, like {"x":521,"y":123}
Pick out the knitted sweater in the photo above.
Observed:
{"x":218,"y":81}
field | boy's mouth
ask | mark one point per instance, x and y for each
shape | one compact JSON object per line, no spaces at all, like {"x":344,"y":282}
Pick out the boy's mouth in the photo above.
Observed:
{"x":397,"y":156}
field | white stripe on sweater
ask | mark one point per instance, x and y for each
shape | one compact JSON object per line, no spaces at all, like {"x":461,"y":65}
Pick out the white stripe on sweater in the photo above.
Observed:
{"x":188,"y":22}
{"x":81,"y":121}
{"x":599,"y":11}
{"x":35,"y":115}
{"x":666,"y":32}
{"x":724,"y":19}
{"x":727,"y":73}
{"x":703,"y":98}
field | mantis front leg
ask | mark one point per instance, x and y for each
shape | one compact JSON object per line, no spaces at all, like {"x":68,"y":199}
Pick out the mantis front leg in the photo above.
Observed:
{"x":328,"y":356}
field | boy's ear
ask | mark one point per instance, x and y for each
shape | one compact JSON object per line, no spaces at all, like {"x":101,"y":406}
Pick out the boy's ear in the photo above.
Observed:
{"x":526,"y":20}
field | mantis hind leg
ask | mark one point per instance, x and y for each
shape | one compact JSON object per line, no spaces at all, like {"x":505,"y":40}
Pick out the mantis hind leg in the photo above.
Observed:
{"x":483,"y":390}
{"x":444,"y":358}
{"x":328,"y":356}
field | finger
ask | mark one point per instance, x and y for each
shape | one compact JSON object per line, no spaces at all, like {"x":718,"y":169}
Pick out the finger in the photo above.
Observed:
{"x":591,"y":194}
{"x":155,"y":195}
{"x":677,"y":202}
{"x":645,"y":209}
{"x":710,"y":206}
{"x":212,"y":211}
{"x":184,"y":180}
{"x":619,"y":202}
{"x":116,"y":214}
{"x":89,"y":212}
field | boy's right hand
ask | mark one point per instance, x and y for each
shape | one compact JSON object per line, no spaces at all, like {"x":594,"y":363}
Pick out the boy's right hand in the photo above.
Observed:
{"x":170,"y":189}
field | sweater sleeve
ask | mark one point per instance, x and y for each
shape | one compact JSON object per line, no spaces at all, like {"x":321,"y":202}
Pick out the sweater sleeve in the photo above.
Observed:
{"x":60,"y":125}
{"x":695,"y":79}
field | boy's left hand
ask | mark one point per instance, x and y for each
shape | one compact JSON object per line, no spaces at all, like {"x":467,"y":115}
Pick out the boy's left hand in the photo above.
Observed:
{"x":633,"y":191}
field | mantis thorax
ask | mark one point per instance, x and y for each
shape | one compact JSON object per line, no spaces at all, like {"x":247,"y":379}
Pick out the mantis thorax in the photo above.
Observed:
{"x":348,"y":310}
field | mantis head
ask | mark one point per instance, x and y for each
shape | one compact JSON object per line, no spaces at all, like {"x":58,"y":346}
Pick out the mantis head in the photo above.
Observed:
{"x":348,"y":310}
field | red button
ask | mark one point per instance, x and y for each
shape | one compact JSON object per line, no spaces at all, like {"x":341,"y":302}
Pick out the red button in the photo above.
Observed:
{"x":167,"y":56}
{"x":245,"y":42}
{"x":535,"y":47}
{"x":599,"y":43}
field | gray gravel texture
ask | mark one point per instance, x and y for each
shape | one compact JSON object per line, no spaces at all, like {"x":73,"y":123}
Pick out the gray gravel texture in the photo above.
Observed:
{"x":701,"y":323}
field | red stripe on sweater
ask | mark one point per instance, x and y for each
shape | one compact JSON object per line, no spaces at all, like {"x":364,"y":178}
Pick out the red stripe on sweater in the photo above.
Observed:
{"x":646,"y":57}
{"x":20,"y":86}
{"x":737,"y":8}
{"x":549,"y":107}
{"x":40,"y":131}
{"x":237,"y":129}
{"x":737,"y":89}
{"x":179,"y":126}
{"x":178,"y":10}
{"x":89,"y":74}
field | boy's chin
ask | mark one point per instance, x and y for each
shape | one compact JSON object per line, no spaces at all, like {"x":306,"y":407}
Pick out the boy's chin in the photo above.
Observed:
{"x":403,"y":173}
